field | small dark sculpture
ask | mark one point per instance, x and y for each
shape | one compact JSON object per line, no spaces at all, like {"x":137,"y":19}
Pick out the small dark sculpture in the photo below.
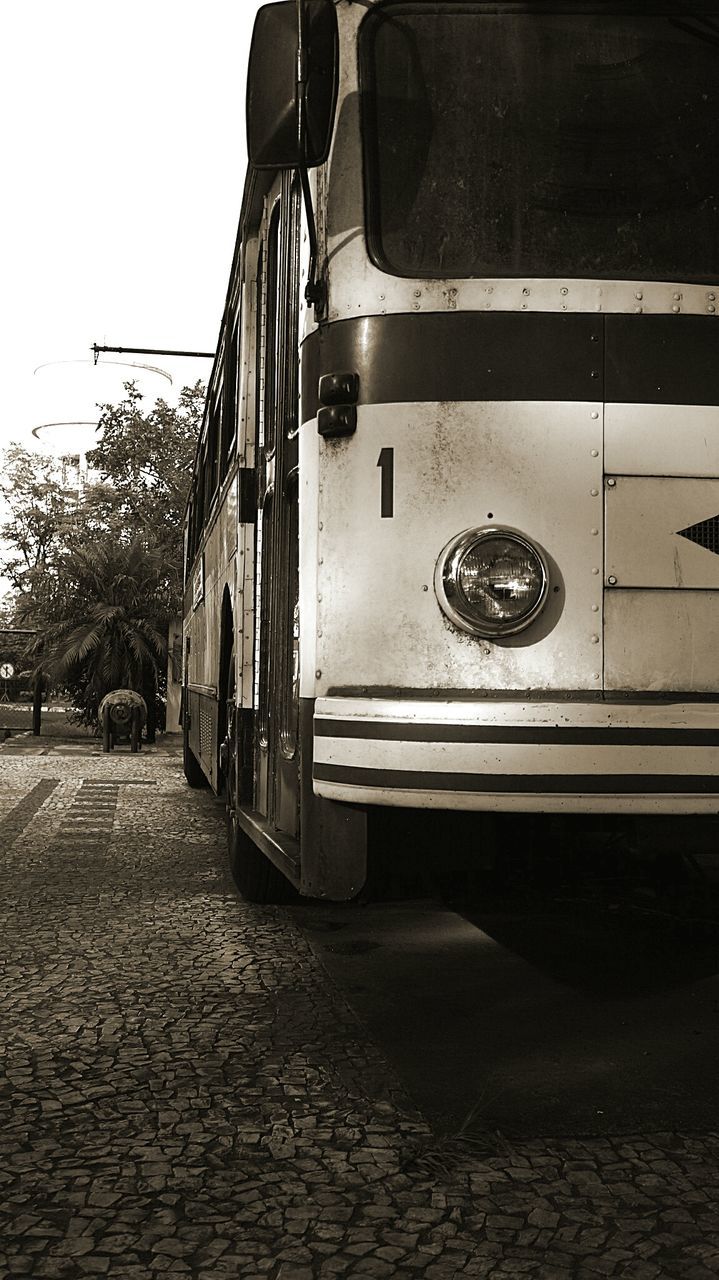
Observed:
{"x":122,"y":715}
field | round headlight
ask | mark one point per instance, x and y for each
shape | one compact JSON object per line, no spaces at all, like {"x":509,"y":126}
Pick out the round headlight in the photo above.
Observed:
{"x":491,"y":582}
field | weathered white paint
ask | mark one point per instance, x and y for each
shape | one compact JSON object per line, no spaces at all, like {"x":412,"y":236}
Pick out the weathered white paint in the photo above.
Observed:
{"x":520,"y":802}
{"x":661,"y":439}
{"x":493,"y":712}
{"x":532,"y":466}
{"x":662,"y":641}
{"x":610,"y":759}
{"x":309,"y":455}
{"x":526,"y":759}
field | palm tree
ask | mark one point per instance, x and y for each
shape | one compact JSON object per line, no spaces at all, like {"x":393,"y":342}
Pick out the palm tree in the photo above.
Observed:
{"x":110,"y":625}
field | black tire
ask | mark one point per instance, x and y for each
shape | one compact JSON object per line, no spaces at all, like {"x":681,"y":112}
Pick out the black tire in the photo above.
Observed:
{"x":191,"y":766}
{"x":257,"y":879}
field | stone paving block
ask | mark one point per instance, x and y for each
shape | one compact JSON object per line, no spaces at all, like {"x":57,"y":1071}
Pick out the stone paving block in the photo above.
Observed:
{"x":185,"y":1093}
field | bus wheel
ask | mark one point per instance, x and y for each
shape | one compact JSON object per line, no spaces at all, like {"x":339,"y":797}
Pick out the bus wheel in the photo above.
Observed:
{"x":191,"y":766}
{"x":257,"y":879}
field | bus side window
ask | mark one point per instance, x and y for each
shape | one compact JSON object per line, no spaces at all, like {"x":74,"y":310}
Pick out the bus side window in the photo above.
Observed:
{"x":213,"y":433}
{"x":273,"y":337}
{"x":228,"y":433}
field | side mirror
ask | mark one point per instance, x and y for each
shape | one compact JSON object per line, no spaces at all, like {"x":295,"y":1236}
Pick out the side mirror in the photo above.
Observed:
{"x":272,"y":140}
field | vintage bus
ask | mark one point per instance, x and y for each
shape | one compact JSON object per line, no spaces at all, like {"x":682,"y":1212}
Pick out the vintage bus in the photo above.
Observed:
{"x":453,"y":535}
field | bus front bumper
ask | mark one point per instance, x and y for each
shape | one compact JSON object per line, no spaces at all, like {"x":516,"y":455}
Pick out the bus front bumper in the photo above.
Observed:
{"x":576,"y":757}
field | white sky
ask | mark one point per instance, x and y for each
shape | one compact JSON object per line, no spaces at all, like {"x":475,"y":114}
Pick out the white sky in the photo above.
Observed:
{"x":122,"y":166}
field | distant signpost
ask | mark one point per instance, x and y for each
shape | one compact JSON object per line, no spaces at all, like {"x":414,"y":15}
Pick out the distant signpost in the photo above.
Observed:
{"x":7,"y":671}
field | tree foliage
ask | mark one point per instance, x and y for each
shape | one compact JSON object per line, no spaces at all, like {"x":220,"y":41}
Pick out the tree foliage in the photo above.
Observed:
{"x":97,"y":570}
{"x":143,"y":464}
{"x":110,"y":628}
{"x":40,"y":509}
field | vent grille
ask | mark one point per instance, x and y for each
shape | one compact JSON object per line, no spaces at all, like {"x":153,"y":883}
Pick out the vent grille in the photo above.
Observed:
{"x":205,"y":732}
{"x":704,"y":534}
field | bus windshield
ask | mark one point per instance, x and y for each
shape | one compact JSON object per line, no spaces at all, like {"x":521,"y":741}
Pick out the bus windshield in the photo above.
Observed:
{"x":539,"y":143}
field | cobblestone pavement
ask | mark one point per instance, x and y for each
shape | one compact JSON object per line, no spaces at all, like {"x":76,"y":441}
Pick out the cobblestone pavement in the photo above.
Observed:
{"x":185,"y":1094}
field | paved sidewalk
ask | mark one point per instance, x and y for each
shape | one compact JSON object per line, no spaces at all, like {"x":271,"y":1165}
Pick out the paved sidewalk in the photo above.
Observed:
{"x":186,"y":1094}
{"x":63,"y":741}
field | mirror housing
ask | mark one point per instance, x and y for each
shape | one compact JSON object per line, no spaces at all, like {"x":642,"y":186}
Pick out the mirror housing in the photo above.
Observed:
{"x":272,"y":140}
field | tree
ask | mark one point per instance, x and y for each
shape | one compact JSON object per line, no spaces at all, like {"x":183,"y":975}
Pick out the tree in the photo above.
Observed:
{"x":143,"y":462}
{"x":40,"y":511}
{"x":99,"y":575}
{"x":110,"y":630}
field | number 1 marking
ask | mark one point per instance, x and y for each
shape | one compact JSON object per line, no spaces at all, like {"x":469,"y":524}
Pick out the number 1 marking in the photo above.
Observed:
{"x":386,"y":463}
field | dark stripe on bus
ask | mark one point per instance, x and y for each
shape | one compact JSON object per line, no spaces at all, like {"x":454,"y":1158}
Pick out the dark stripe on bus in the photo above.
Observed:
{"x":449,"y":693}
{"x":459,"y":355}
{"x":662,"y":360}
{"x":570,"y":737}
{"x":520,"y":783}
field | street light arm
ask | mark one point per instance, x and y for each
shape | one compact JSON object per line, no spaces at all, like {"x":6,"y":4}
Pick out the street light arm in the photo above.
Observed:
{"x":151,"y":351}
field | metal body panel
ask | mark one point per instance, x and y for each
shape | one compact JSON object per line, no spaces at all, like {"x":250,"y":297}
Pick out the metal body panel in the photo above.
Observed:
{"x":661,"y":439}
{"x":665,"y":802}
{"x":203,"y":712}
{"x":202,"y":628}
{"x":661,"y":640}
{"x":536,"y":467}
{"x":661,"y":360}
{"x":245,"y":618}
{"x":643,"y":519}
{"x":334,"y":836}
{"x":309,"y":496}
{"x":580,"y":757}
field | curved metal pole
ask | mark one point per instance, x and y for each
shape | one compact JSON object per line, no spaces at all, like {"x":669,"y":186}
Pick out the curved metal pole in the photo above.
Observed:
{"x":313,"y":290}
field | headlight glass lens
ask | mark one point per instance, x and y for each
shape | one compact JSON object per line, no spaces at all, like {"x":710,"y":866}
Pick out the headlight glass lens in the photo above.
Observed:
{"x":500,"y":580}
{"x":491,"y":582}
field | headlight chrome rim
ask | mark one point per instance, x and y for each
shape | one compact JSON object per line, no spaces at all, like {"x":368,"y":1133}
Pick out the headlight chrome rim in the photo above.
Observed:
{"x":451,"y":597}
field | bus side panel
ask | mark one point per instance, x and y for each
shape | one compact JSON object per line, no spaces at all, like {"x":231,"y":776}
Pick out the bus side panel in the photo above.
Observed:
{"x":203,"y":732}
{"x":309,"y":447}
{"x":203,"y":627}
{"x":334,"y":836}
